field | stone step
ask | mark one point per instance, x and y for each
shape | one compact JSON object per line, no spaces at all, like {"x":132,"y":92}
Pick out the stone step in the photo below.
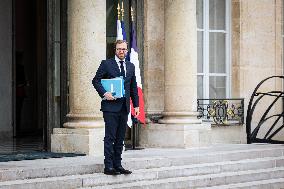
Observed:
{"x":262,"y":184}
{"x":99,"y":179}
{"x":216,"y":180}
{"x":87,"y":165}
{"x":193,"y":170}
{"x":210,"y":157}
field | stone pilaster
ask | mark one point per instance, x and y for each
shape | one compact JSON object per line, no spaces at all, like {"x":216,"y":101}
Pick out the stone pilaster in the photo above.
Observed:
{"x":179,"y":127}
{"x":261,"y":54}
{"x":154,"y":38}
{"x":84,"y":130}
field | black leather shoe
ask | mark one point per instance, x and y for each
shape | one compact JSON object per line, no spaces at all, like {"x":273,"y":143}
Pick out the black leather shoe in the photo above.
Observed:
{"x":121,"y":170}
{"x":111,"y":171}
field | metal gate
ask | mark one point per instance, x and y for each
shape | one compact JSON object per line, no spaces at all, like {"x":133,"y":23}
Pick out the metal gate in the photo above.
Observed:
{"x":264,"y":121}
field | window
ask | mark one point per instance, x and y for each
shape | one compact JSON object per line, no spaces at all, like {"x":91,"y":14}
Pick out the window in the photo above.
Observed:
{"x":213,"y":48}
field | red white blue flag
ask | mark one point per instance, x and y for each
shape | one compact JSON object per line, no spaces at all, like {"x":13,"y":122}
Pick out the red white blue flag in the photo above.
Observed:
{"x":134,"y":59}
{"x":121,"y":35}
{"x":120,"y":28}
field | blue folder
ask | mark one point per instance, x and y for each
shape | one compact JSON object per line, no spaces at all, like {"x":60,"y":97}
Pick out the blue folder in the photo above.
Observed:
{"x":115,"y":86}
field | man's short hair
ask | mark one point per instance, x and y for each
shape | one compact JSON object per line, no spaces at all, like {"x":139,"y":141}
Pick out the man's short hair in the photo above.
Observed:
{"x":119,"y":42}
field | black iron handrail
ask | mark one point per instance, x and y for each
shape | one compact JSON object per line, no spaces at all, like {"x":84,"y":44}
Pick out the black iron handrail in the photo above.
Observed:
{"x":222,"y":111}
{"x":255,"y":99}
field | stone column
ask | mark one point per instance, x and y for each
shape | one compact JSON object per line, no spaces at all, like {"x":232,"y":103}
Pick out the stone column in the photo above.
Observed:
{"x":179,"y":126}
{"x":180,"y":62}
{"x":154,"y":37}
{"x":84,"y":131}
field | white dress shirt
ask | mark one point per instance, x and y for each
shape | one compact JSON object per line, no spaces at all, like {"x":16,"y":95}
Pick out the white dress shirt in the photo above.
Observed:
{"x":118,"y":63}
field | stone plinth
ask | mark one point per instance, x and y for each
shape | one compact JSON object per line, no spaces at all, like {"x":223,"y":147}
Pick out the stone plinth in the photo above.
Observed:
{"x":235,"y":134}
{"x":175,"y":135}
{"x":87,"y":141}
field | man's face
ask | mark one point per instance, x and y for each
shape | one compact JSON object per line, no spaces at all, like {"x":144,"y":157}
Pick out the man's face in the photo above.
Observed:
{"x":121,"y":50}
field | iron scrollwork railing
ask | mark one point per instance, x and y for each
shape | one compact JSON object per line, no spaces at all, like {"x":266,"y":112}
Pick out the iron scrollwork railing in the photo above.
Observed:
{"x":221,"y":111}
{"x":270,"y":123}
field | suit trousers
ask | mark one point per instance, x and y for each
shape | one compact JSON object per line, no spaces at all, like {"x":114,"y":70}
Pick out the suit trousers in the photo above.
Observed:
{"x":115,"y":127}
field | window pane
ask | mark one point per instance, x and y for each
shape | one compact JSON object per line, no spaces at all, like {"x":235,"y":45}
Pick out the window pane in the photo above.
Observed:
{"x":199,"y":86}
{"x":217,"y":87}
{"x":199,"y":13}
{"x":217,"y":14}
{"x":199,"y":52}
{"x":217,"y":50}
{"x":111,"y":17}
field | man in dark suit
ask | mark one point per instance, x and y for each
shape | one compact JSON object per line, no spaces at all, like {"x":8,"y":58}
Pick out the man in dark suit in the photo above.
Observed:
{"x":115,"y":111}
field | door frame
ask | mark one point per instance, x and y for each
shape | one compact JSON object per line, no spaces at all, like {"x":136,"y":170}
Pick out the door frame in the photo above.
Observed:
{"x":50,"y":121}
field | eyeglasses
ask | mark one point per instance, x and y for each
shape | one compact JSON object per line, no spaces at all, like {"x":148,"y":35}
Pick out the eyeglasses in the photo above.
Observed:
{"x":120,"y":49}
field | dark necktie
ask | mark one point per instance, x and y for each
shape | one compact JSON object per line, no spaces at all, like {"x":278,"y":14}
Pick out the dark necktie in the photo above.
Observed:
{"x":122,"y":72}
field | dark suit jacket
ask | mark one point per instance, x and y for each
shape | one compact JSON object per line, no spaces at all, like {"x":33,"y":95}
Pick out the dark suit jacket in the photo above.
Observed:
{"x":109,"y":69}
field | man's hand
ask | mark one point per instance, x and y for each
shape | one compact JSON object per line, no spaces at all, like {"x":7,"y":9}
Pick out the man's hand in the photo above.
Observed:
{"x":137,"y":111}
{"x":109,"y":96}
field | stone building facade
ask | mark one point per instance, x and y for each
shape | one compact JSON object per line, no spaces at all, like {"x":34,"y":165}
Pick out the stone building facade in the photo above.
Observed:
{"x":170,"y":63}
{"x":188,"y":50}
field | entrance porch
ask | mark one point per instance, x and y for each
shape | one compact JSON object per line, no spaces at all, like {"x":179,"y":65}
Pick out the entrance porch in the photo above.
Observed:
{"x":218,"y":166}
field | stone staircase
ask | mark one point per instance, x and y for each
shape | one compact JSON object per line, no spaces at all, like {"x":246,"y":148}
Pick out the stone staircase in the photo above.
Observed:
{"x":222,"y":166}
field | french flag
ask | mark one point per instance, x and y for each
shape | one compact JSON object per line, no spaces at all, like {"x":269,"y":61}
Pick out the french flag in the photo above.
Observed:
{"x":120,"y":30}
{"x":134,"y":59}
{"x":121,"y":35}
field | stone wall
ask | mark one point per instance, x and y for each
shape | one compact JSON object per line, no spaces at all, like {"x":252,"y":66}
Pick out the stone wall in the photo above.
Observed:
{"x":256,"y":54}
{"x":256,"y":49}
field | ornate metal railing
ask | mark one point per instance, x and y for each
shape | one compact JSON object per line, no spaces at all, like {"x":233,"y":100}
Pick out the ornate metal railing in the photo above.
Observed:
{"x":271,"y":121}
{"x":221,"y":111}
